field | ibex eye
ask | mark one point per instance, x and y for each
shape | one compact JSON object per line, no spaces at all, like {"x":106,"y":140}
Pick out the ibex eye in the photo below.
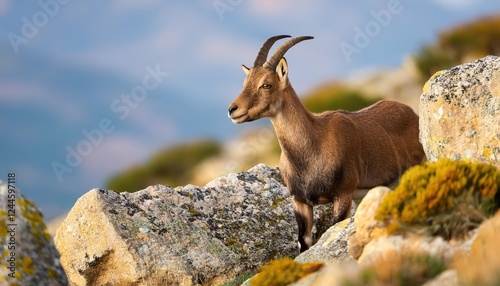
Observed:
{"x":266,"y":86}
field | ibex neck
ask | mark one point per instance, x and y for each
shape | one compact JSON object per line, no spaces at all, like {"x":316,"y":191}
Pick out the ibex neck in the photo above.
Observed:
{"x":294,"y":124}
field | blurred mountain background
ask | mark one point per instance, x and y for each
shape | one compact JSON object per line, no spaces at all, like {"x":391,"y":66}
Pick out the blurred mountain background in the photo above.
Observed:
{"x":126,"y":94}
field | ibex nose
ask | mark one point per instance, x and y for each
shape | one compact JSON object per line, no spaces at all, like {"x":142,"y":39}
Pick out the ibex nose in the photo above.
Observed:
{"x":231,"y":109}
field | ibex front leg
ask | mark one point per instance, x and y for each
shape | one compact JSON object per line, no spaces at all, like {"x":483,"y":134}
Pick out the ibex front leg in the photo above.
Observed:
{"x":304,"y":216}
{"x":342,"y":207}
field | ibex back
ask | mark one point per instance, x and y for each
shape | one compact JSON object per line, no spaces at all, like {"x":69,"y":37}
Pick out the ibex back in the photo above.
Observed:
{"x":325,"y":157}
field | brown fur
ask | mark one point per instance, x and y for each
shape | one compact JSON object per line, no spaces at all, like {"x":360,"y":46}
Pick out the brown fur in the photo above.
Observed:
{"x":326,"y":156}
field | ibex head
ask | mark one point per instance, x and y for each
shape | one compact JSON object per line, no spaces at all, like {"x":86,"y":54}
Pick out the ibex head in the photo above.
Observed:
{"x":262,"y":89}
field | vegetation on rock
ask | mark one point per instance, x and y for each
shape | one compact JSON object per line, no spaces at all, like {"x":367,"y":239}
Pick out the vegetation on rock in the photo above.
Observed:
{"x":28,"y":252}
{"x":283,"y":271}
{"x":239,"y":280}
{"x":446,"y":198}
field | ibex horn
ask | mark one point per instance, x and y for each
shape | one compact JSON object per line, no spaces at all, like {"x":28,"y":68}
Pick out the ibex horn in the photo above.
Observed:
{"x":262,"y":56}
{"x":281,"y":50}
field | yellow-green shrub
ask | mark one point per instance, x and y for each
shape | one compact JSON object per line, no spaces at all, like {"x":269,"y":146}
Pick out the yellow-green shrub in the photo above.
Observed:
{"x":283,"y":271}
{"x":447,"y":197}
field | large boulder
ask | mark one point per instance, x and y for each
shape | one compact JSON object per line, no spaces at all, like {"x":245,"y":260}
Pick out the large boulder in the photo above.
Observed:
{"x":28,"y":255}
{"x":183,"y":236}
{"x":366,"y":226}
{"x":460,"y":113}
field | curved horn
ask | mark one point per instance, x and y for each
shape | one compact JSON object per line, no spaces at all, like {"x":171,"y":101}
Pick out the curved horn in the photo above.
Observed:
{"x":281,"y":50}
{"x":264,"y":50}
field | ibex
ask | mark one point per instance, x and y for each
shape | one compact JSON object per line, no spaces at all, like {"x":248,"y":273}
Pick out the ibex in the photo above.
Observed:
{"x":326,"y":156}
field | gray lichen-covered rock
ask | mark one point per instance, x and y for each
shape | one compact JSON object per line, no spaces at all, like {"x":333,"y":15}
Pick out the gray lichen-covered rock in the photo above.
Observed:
{"x":332,"y":246}
{"x":460,"y":113}
{"x":28,"y":255}
{"x":183,"y":236}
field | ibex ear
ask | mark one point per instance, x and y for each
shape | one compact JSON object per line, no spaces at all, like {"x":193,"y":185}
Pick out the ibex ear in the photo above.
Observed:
{"x":245,"y":69}
{"x":282,"y":70}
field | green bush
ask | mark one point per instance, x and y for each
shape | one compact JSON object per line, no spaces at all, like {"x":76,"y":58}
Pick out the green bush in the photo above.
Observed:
{"x":430,"y":60}
{"x":445,"y":198}
{"x":131,"y":180}
{"x":459,"y":44}
{"x":170,"y":166}
{"x":336,"y":96}
{"x":240,"y":279}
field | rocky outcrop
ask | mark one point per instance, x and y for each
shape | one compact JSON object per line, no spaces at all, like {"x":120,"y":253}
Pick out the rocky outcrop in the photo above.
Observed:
{"x":386,"y":259}
{"x":481,"y":264}
{"x":28,"y":255}
{"x":183,"y":236}
{"x":377,"y":249}
{"x":367,"y":227}
{"x":332,"y":246}
{"x":238,"y":222}
{"x":460,"y":113}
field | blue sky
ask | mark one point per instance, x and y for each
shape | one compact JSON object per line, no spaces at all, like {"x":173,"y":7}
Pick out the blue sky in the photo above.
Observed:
{"x":114,"y":81}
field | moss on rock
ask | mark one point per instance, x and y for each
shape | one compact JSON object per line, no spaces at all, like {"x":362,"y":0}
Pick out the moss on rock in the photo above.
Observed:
{"x":284,"y":271}
{"x":26,"y":244}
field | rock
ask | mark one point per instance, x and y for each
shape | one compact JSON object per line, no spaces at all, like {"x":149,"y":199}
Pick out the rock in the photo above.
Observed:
{"x":54,"y":223}
{"x":332,"y":274}
{"x":460,"y":113}
{"x":332,"y":246}
{"x":446,"y":278}
{"x":481,"y":265}
{"x":366,"y":225}
{"x":28,"y":254}
{"x":385,"y":258}
{"x":183,"y":236}
{"x":379,"y":248}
